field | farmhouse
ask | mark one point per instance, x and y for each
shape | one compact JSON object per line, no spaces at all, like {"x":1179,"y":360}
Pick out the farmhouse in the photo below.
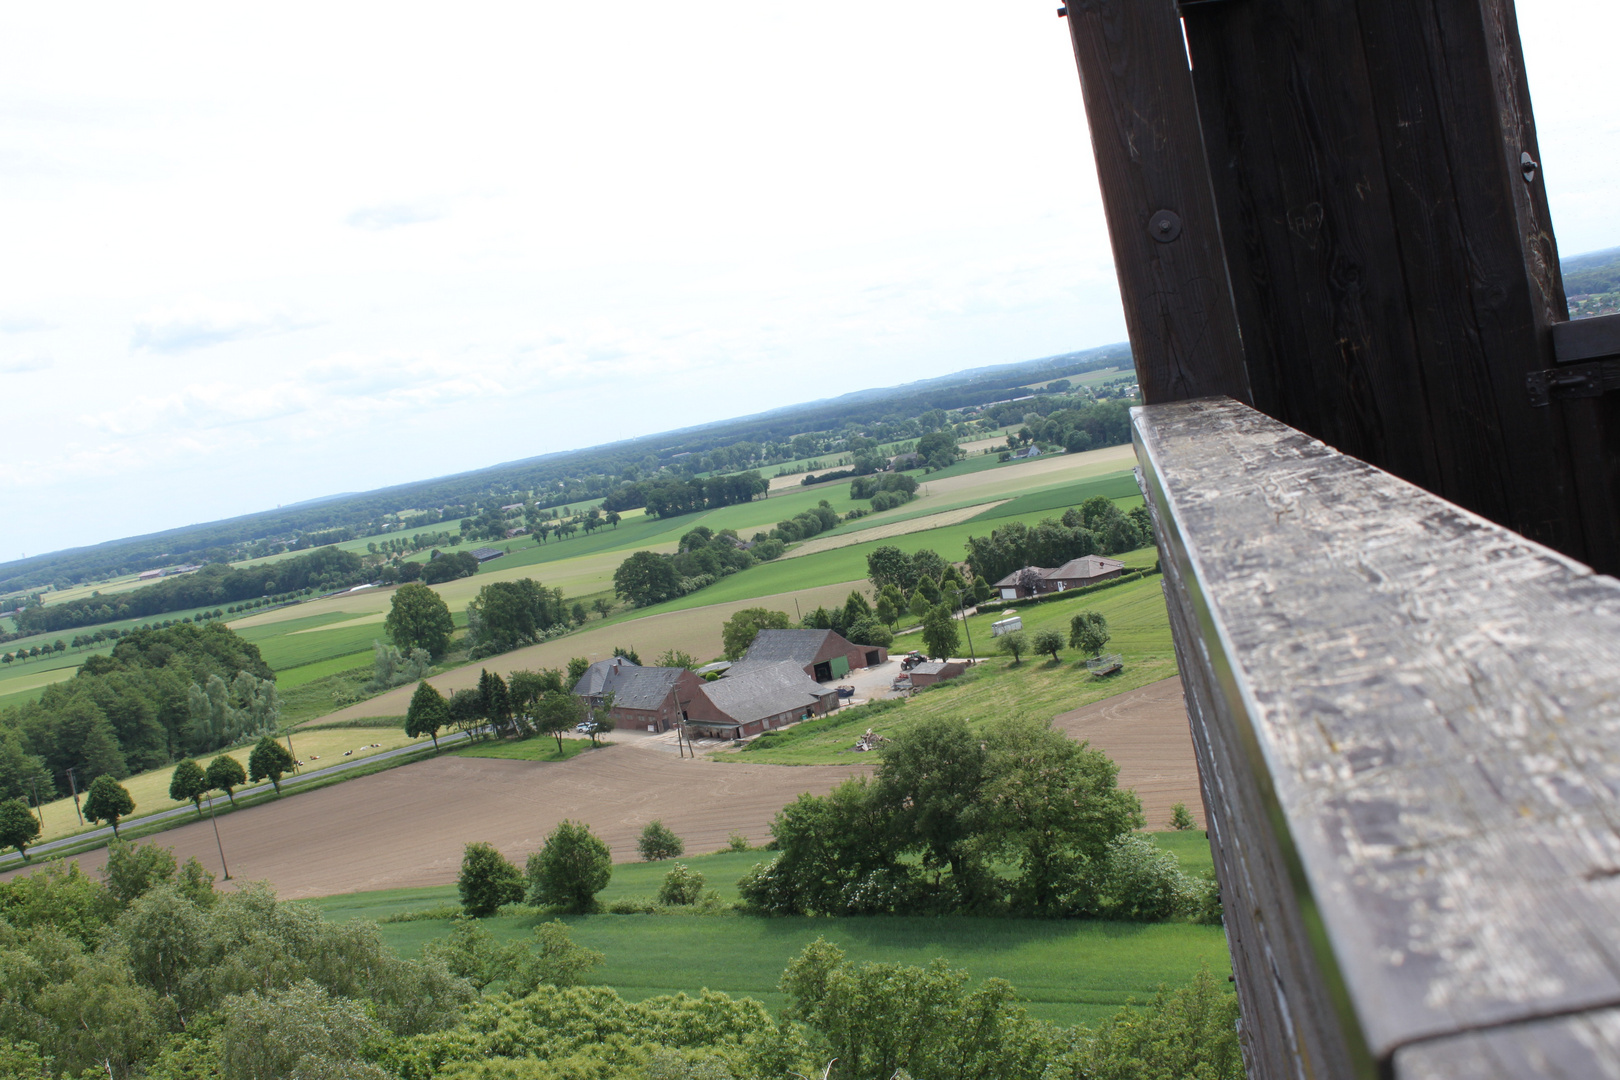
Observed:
{"x":1087,"y":570}
{"x":760,"y":697}
{"x":646,"y":698}
{"x":821,"y":654}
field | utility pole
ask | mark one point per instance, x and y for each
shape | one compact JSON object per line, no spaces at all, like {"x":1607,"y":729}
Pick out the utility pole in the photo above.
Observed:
{"x":217,"y":841}
{"x":74,"y":785}
{"x":966,"y":628}
{"x":39,"y":811}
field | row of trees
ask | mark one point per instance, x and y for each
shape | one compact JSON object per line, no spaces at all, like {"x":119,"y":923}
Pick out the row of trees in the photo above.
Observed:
{"x":268,"y":760}
{"x":217,"y":583}
{"x":951,"y":811}
{"x":523,"y":703}
{"x":1088,"y":633}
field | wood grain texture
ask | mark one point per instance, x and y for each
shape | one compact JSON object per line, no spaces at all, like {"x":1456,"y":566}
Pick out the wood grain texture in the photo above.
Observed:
{"x":1584,"y":1047}
{"x":1408,"y":721}
{"x":1296,"y":165}
{"x":1150,"y":157}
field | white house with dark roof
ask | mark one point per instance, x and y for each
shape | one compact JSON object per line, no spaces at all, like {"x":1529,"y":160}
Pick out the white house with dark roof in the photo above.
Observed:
{"x":1086,"y":570}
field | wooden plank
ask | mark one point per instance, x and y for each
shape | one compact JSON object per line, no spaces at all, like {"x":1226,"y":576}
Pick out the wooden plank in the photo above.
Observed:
{"x":1144,"y":134}
{"x":1479,"y":279}
{"x":1582,"y":1047}
{"x":1298,"y":174}
{"x":1586,"y":339}
{"x":1408,"y":721}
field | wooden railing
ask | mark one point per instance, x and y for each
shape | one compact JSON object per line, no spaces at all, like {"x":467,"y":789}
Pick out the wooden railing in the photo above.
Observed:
{"x":1407,"y":720}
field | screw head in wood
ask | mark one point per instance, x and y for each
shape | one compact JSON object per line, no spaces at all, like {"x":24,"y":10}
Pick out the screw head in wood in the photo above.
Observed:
{"x":1528,"y":166}
{"x":1164,"y":226}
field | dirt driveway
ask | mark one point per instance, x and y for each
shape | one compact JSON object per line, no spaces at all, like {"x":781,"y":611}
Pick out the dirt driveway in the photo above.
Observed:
{"x":408,"y":826}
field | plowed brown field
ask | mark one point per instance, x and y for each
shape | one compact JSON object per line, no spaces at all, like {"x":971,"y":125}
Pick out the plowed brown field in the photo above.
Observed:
{"x":1145,"y":732}
{"x":408,"y":826}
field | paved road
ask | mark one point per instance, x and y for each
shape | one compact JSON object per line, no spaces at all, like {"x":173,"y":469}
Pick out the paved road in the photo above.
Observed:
{"x":13,"y":861}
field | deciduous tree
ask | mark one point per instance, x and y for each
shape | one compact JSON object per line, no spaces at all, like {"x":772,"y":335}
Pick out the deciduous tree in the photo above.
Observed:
{"x":939,"y":634}
{"x":1088,"y":632}
{"x":108,"y":801}
{"x":658,"y":841}
{"x":572,"y":867}
{"x":1013,"y":644}
{"x":189,"y":781}
{"x":1048,"y":641}
{"x":740,"y":630}
{"x":487,"y":881}
{"x":270,"y":761}
{"x":427,"y":713}
{"x":18,"y":826}
{"x":419,"y":618}
{"x":225,"y":773}
{"x":557,"y":713}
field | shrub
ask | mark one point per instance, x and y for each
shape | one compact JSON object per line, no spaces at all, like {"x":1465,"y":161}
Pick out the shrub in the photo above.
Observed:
{"x":658,"y":842}
{"x":1180,"y":818}
{"x":1140,"y":882}
{"x":487,"y":881}
{"x":682,"y":885}
{"x":570,"y":870}
{"x":738,"y":842}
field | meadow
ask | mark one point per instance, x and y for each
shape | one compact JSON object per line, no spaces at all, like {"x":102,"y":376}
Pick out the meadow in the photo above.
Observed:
{"x":997,"y":687}
{"x":1065,"y":971}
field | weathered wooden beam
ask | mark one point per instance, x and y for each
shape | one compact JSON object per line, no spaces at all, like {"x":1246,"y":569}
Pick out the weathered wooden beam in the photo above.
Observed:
{"x":1156,"y":195}
{"x":1408,"y":724}
{"x":1392,"y":261}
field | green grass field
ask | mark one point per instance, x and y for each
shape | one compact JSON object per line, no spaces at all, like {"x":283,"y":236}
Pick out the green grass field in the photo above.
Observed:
{"x":534,"y":748}
{"x":1065,"y":971}
{"x":996,"y":687}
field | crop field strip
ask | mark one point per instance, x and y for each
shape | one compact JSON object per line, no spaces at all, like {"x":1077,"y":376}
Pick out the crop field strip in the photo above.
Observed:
{"x":1065,"y":971}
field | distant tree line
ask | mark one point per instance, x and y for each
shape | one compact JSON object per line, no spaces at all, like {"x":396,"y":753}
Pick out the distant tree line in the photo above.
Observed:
{"x":579,"y":476}
{"x":668,"y":497}
{"x":324,"y":568}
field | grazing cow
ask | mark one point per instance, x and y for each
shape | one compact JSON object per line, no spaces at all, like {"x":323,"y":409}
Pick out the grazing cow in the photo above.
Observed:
{"x":348,"y":753}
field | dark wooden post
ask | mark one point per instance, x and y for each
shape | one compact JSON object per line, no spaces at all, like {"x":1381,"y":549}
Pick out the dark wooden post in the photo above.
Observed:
{"x":1393,"y":264}
{"x":1161,"y":215}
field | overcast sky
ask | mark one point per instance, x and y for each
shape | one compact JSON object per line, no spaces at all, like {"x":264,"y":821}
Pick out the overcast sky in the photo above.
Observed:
{"x":258,"y":255}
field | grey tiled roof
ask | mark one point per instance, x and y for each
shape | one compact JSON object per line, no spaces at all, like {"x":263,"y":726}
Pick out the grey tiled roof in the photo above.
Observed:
{"x":1084,"y":567}
{"x":632,"y":687}
{"x":595,"y":679}
{"x":752,"y":691}
{"x":642,"y":687}
{"x":775,"y":646}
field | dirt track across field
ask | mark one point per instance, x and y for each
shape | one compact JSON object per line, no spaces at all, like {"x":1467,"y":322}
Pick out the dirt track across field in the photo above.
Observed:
{"x":1145,"y":732}
{"x":408,"y":826}
{"x":894,"y":528}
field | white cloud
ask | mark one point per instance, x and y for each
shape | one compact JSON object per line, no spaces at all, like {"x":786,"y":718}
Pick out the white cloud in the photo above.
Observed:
{"x":197,"y":323}
{"x":393,"y":215}
{"x":24,"y":324}
{"x":26,"y":365}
